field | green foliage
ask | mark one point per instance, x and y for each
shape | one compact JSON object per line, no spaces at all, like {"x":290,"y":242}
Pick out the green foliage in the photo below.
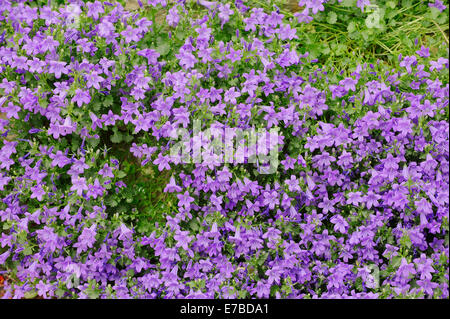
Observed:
{"x":383,"y":31}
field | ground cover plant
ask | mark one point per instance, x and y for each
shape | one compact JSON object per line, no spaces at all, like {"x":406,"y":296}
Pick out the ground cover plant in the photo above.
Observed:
{"x":351,"y":96}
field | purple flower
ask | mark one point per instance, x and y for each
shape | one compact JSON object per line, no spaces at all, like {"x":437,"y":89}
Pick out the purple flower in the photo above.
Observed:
{"x":424,"y":267}
{"x":36,"y":65}
{"x":173,"y":18}
{"x":57,"y":68}
{"x":231,"y":94}
{"x":4,"y":257}
{"x":182,"y":239}
{"x":424,"y":52}
{"x":362,"y":3}
{"x":162,"y":162}
{"x":12,"y":111}
{"x":439,"y":64}
{"x":224,"y":13}
{"x":81,"y":97}
{"x":408,"y":61}
{"x":93,"y":80}
{"x":354,"y":198}
{"x":96,"y":190}
{"x":106,"y":29}
{"x":151,"y":55}
{"x":303,"y":16}
{"x":314,"y":5}
{"x":349,"y":84}
{"x":44,"y":288}
{"x":285,"y":32}
{"x":94,"y":9}
{"x":130,"y":34}
{"x":186,"y":59}
{"x":79,"y":185}
{"x":293,"y":184}
{"x":7,"y":86}
{"x":185,"y":200}
{"x":4,"y":180}
{"x":427,"y":286}
{"x":96,"y":122}
{"x":234,"y":55}
{"x":438,"y":4}
{"x":106,"y":171}
{"x":271,"y":198}
{"x":262,"y":289}
{"x":340,"y":224}
{"x":424,"y":209}
{"x":327,"y":205}
{"x":86,"y":239}
{"x":124,"y":233}
{"x":109,"y":119}
{"x":59,"y":159}
{"x":48,"y":238}
{"x":37,"y":192}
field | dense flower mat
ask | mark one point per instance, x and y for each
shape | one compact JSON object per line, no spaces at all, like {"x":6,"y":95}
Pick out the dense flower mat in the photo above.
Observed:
{"x":357,"y":206}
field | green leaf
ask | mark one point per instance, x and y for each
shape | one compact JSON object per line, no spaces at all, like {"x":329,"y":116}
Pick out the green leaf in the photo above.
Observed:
{"x":43,"y":103}
{"x":93,"y":142}
{"x":406,"y":3}
{"x":122,"y":58}
{"x":121,"y":174}
{"x":391,"y":4}
{"x":30,"y":294}
{"x":340,"y":49}
{"x":93,"y":294}
{"x":348,"y":3}
{"x":242,"y":294}
{"x":27,"y":251}
{"x":365,"y":35}
{"x":144,"y":226}
{"x":442,"y":19}
{"x":127,"y":138}
{"x":162,"y":45}
{"x":332,"y":17}
{"x":396,"y":261}
{"x":406,"y":41}
{"x":194,"y":225}
{"x":96,"y":105}
{"x":59,"y":292}
{"x":116,"y":137}
{"x":262,"y":258}
{"x":75,"y":144}
{"x":351,"y":27}
{"x":373,"y":20}
{"x":22,"y":237}
{"x":405,"y":241}
{"x":163,"y":48}
{"x":111,"y":202}
{"x":434,"y":12}
{"x":180,"y":35}
{"x":108,"y":101}
{"x":325,"y":49}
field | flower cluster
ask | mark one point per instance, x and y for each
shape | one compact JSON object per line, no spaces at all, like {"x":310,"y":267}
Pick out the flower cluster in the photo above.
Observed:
{"x":357,"y":207}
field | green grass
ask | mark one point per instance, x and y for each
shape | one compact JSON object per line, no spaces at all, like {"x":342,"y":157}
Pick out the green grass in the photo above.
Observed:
{"x":339,"y":35}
